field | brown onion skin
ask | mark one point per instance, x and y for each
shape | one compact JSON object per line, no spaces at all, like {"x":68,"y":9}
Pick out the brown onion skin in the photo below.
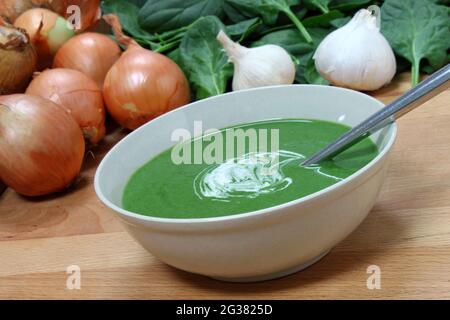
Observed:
{"x":90,"y":10}
{"x":78,"y":94}
{"x":143,"y":85}
{"x":91,"y":53}
{"x":41,"y":146}
{"x":18,"y":60}
{"x":12,"y":9}
{"x":31,"y":21}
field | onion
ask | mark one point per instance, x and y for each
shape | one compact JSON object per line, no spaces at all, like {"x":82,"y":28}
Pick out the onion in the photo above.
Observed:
{"x":11,"y":9}
{"x":78,"y":94}
{"x":91,"y":53}
{"x":48,"y":32}
{"x":41,"y":146}
{"x":17,"y":59}
{"x":142,"y":84}
{"x":89,"y":9}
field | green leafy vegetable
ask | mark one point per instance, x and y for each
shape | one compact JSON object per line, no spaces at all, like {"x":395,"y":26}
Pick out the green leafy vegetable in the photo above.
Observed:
{"x":269,"y":10}
{"x":205,"y":63}
{"x":236,"y":15}
{"x":322,"y":5}
{"x":127,"y":12}
{"x":288,"y":39}
{"x":138,"y":3}
{"x":311,"y":75}
{"x":244,"y":28}
{"x":323,"y":20}
{"x":292,"y":41}
{"x":347,"y":5}
{"x":340,"y":22}
{"x":251,"y":8}
{"x":417,"y":30}
{"x":160,"y":16}
{"x":175,"y":55}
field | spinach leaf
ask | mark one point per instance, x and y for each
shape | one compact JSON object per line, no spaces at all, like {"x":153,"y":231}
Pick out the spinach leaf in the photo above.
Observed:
{"x":244,"y":28}
{"x":322,"y":5}
{"x":292,"y":41}
{"x":269,"y":11}
{"x":160,"y":16}
{"x":323,"y":20}
{"x":236,"y":15}
{"x":310,"y":73}
{"x":417,"y":30}
{"x":252,"y":8}
{"x":348,"y":5}
{"x":138,"y":3}
{"x":175,"y":55}
{"x":340,"y":22}
{"x":203,"y":59}
{"x":265,"y":29}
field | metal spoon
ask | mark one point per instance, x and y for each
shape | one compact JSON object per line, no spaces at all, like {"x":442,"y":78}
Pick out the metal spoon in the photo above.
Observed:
{"x":429,"y":88}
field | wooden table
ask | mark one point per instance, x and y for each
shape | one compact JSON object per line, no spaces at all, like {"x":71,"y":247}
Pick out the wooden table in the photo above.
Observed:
{"x":407,"y":235}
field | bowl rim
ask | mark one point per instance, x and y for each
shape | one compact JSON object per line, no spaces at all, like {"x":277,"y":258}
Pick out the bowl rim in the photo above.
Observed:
{"x":266,"y":211}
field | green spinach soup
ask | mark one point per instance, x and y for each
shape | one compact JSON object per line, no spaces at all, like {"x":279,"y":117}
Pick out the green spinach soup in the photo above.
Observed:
{"x":221,"y":183}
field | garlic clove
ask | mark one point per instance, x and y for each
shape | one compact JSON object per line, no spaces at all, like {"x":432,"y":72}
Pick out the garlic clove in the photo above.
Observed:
{"x":357,"y":56}
{"x":267,"y":65}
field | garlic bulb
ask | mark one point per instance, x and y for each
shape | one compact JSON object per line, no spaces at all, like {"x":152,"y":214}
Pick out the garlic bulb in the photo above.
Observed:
{"x":357,"y":55}
{"x":258,"y":67}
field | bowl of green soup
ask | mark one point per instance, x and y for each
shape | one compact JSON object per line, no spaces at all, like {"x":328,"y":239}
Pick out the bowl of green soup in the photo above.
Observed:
{"x":217,"y":187}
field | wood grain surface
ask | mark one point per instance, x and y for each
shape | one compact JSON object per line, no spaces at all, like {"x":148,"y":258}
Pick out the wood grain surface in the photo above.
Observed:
{"x":407,"y":235}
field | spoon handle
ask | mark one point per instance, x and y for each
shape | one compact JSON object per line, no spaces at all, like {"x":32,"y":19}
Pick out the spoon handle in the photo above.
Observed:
{"x":427,"y":89}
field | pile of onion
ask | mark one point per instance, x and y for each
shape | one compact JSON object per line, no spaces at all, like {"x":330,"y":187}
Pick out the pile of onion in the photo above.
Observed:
{"x":142,"y":84}
{"x":48,"y":32}
{"x":89,"y":9}
{"x":17,"y":59}
{"x":91,"y":53}
{"x":41,"y":145}
{"x":78,"y":94}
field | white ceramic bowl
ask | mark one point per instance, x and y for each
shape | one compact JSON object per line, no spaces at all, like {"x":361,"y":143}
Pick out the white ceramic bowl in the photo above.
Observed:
{"x":258,"y":245}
